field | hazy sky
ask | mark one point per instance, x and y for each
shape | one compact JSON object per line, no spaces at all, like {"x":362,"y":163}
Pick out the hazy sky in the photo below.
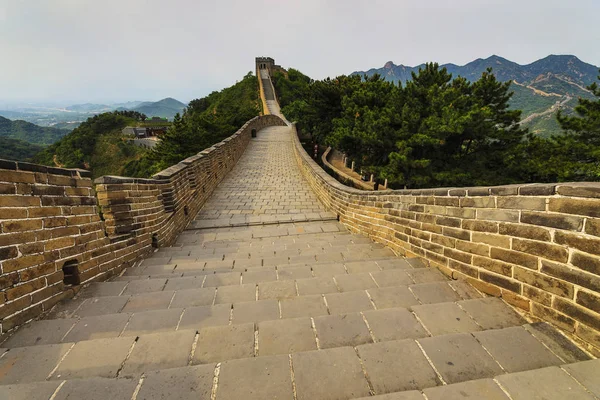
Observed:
{"x":115,"y":50}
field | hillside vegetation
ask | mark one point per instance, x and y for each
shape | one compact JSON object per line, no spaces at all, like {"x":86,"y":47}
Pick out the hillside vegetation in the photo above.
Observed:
{"x":96,"y":145}
{"x":537,"y":86}
{"x":28,"y":132}
{"x":19,"y":150}
{"x":440,"y":131}
{"x":204,"y":122}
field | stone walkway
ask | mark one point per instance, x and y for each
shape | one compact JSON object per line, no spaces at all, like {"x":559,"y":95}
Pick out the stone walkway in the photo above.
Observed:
{"x":266,"y":296}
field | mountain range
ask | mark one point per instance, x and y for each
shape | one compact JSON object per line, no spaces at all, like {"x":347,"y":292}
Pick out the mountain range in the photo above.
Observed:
{"x":28,"y":132}
{"x":540,"y":88}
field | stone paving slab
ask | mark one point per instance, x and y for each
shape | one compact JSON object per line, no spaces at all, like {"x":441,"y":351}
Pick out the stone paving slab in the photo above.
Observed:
{"x":516,"y":349}
{"x":448,"y":354}
{"x":434,"y":292}
{"x":255,"y":311}
{"x":97,"y":389}
{"x":193,"y":297}
{"x":31,"y":364}
{"x":286,"y":336}
{"x":586,"y":373}
{"x":305,"y":306}
{"x":397,"y":366}
{"x":359,"y":281}
{"x":445,"y":318}
{"x":40,"y":332}
{"x":188,"y":383}
{"x":394,"y":324}
{"x":277,"y":290}
{"x":153,"y":321}
{"x":159,"y":351}
{"x":392,"y":277}
{"x":329,"y":374}
{"x":29,"y":391}
{"x":259,"y":378}
{"x":342,"y":303}
{"x":408,"y":395}
{"x":94,"y":358}
{"x":220,"y":343}
{"x":201,"y":317}
{"x":101,"y":305}
{"x":389,"y":297}
{"x":484,"y":389}
{"x":98,"y":327}
{"x":342,"y":330}
{"x":491,"y":313}
{"x":97,"y":289}
{"x":556,"y":342}
{"x":148,"y":301}
{"x":316,"y":286}
{"x":543,"y":384}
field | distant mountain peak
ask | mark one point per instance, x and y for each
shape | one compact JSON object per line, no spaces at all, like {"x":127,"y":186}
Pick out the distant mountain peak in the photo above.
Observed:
{"x":389,"y":65}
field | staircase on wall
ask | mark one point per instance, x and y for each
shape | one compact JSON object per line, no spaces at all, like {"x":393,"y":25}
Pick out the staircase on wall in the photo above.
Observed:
{"x":266,"y":296}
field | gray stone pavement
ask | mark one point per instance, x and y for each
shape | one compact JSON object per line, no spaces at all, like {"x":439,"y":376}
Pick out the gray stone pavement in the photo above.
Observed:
{"x":266,"y":296}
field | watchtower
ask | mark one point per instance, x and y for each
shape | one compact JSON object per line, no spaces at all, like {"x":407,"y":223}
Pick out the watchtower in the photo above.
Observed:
{"x":265,"y":63}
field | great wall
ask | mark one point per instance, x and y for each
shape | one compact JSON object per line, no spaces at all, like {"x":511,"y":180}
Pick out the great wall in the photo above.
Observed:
{"x":246,"y":271}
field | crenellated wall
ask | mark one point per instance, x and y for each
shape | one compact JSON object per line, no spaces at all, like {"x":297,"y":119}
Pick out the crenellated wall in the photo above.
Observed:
{"x":535,"y":245}
{"x":57,"y":233}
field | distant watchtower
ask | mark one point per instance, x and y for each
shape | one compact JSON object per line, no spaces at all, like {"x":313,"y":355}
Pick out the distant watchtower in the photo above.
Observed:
{"x":268,"y":63}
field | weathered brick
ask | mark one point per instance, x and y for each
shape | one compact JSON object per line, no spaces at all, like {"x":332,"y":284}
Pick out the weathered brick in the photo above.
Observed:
{"x":481,"y":226}
{"x":554,"y":317}
{"x":592,"y":226}
{"x":516,"y":300}
{"x":22,"y":262}
{"x":463,"y":268}
{"x":461,"y":212}
{"x":579,"y":242}
{"x":43,"y":190}
{"x":558,"y":221}
{"x":580,"y":189}
{"x":514,"y":257}
{"x":457,"y":233}
{"x":498,"y":215}
{"x":572,"y":275}
{"x":19,"y":201}
{"x":21,"y":225}
{"x":59,"y":243}
{"x":16,"y":176}
{"x":447,"y":201}
{"x":458,"y":255}
{"x":589,"y":300}
{"x":13,"y":213}
{"x":25,"y":288}
{"x":588,"y":334}
{"x":522,"y":203}
{"x":496,"y":266}
{"x":537,"y":295}
{"x":525,"y":231}
{"x":575,"y":206}
{"x":485,"y":287}
{"x":8,"y":188}
{"x":44,"y":212}
{"x":586,"y":262}
{"x":491,"y":239}
{"x":541,"y":249}
{"x":8,"y":280}
{"x":8,"y":252}
{"x":500,"y":281}
{"x":478,"y":202}
{"x":37,"y":271}
{"x":443,"y":240}
{"x":473,"y":248}
{"x":576,"y":312}
{"x":546,"y":283}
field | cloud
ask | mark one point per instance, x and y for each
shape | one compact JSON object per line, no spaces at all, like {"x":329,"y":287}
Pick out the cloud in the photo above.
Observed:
{"x":88,"y":50}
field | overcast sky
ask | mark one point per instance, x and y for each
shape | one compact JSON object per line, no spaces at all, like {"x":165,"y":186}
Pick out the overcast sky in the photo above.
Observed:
{"x":116,"y":50}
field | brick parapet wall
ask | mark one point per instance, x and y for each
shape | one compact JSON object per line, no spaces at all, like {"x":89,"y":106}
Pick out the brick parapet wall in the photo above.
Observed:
{"x":535,"y":245}
{"x":52,"y":217}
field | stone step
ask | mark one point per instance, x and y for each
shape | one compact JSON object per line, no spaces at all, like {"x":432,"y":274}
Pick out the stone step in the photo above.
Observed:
{"x":270,"y":368}
{"x":270,"y":283}
{"x":218,"y":273}
{"x":112,"y":316}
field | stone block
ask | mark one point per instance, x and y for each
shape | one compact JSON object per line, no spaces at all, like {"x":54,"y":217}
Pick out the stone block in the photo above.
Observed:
{"x":37,"y":361}
{"x":148,"y":301}
{"x":447,"y":353}
{"x":258,"y":378}
{"x":556,"y":342}
{"x":193,"y":298}
{"x":389,"y":297}
{"x":303,"y":306}
{"x":255,"y":311}
{"x":341,"y":303}
{"x":392,"y":277}
{"x":153,"y":321}
{"x":39,"y":332}
{"x":98,"y":327}
{"x":329,"y":374}
{"x":445,"y":318}
{"x":491,"y":313}
{"x":394,"y":324}
{"x":220,"y":343}
{"x":29,"y":391}
{"x":200,"y":317}
{"x":101,"y":305}
{"x":434,"y":292}
{"x":97,"y":389}
{"x":352,"y":282}
{"x":484,"y":389}
{"x":286,"y":336}
{"x":188,"y":383}
{"x":341,"y":330}
{"x":387,"y":364}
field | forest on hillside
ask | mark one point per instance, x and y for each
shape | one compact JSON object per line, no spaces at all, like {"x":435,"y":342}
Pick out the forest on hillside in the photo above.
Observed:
{"x":440,"y":131}
{"x":98,"y":144}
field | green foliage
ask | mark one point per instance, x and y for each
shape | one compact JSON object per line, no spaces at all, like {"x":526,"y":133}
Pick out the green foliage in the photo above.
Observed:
{"x":96,"y":145}
{"x":204,"y":122}
{"x":29,"y":132}
{"x":15,"y":149}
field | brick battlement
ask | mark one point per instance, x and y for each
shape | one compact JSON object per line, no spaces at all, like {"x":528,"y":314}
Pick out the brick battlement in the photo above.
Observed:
{"x":535,"y":245}
{"x":58,"y":231}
